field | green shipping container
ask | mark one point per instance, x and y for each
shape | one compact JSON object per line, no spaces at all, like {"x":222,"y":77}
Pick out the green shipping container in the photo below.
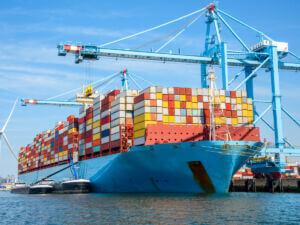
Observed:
{"x":96,"y":148}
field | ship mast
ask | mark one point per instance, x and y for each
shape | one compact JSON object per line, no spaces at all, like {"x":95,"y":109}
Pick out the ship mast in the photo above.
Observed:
{"x":212,"y":125}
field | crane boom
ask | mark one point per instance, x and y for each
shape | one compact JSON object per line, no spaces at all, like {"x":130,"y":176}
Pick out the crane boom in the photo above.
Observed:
{"x":93,"y":52}
{"x":25,"y":102}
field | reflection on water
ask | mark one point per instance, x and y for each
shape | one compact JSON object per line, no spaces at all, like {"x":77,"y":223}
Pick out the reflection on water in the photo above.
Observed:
{"x":234,"y":208}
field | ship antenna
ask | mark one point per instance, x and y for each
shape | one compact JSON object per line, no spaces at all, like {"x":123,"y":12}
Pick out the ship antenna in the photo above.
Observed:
{"x":212,"y":126}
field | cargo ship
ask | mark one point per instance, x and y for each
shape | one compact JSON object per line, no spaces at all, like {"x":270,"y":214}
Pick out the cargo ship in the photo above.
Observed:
{"x":155,"y":140}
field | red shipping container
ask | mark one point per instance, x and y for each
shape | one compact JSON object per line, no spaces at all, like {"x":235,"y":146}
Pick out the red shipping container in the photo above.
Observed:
{"x":228,"y":113}
{"x":206,"y":112}
{"x":65,"y":147}
{"x":205,"y":105}
{"x":114,"y":92}
{"x":89,"y":116}
{"x":200,"y":98}
{"x":96,"y":142}
{"x":89,"y":133}
{"x":228,"y":106}
{"x":171,"y":97}
{"x":88,"y":151}
{"x":233,"y":114}
{"x":182,"y":91}
{"x":188,"y":98}
{"x":171,"y":104}
{"x":105,"y":120}
{"x":105,"y":107}
{"x":153,"y":116}
{"x":153,"y":103}
{"x":145,"y":96}
{"x":171,"y":111}
{"x":176,"y":90}
{"x":232,"y":94}
{"x":88,"y":139}
{"x":81,"y":120}
{"x":188,"y":91}
{"x":165,"y":97}
{"x":189,"y":119}
{"x":182,"y":105}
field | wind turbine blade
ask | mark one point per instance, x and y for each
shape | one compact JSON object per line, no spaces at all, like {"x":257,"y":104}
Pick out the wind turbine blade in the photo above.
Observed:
{"x":11,"y":112}
{"x":9,"y":146}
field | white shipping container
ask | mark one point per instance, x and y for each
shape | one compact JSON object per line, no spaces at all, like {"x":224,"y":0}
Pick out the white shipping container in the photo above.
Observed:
{"x":194,"y":92}
{"x":233,"y":107}
{"x":105,"y":140}
{"x":105,"y":113}
{"x":222,"y":92}
{"x":118,"y":121}
{"x":129,"y":106}
{"x":82,"y":141}
{"x":82,"y":131}
{"x":177,"y":97}
{"x":105,"y":126}
{"x":159,"y":103}
{"x":238,"y":94}
{"x":130,"y":100}
{"x":239,"y":113}
{"x":88,"y":145}
{"x":165,"y":111}
{"x":114,"y":130}
{"x":139,"y":141}
{"x":159,"y":110}
{"x":249,"y":101}
{"x":201,"y":120}
{"x":117,"y":108}
{"x":205,"y":98}
{"x":70,"y":146}
{"x":65,"y":157}
{"x":149,"y":90}
{"x":228,"y":121}
{"x":170,"y":90}
{"x":117,"y":101}
{"x":222,"y":105}
{"x":96,"y":112}
{"x":177,"y":113}
{"x":159,"y":117}
{"x":96,"y":130}
{"x":195,"y":120}
{"x":141,"y":104}
{"x":89,"y":127}
{"x":99,"y":98}
{"x":200,"y":105}
{"x":128,"y":114}
{"x":142,"y":110}
{"x":245,"y":119}
{"x":205,"y":91}
{"x":119,"y":114}
{"x":165,"y":91}
{"x":65,"y":143}
{"x":65,"y":138}
{"x":240,"y":120}
{"x":153,"y":109}
{"x":244,"y":94}
{"x":182,"y":119}
{"x":96,"y":118}
{"x":189,"y":112}
{"x":239,"y":106}
{"x":115,"y":136}
{"x":177,"y":119}
{"x":152,"y":96}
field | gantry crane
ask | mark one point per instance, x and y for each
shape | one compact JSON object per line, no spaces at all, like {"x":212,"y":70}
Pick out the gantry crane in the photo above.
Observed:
{"x":267,"y":54}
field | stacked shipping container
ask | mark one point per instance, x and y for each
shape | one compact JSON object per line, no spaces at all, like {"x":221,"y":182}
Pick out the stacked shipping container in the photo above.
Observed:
{"x":167,"y":115}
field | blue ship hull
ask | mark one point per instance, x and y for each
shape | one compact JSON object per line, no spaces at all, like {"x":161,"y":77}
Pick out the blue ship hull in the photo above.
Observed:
{"x":199,"y":167}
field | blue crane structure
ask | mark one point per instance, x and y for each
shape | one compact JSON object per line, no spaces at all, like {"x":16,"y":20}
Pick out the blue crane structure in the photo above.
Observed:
{"x":267,"y":54}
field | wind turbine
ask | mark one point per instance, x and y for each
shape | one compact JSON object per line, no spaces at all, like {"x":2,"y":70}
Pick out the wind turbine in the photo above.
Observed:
{"x":2,"y":134}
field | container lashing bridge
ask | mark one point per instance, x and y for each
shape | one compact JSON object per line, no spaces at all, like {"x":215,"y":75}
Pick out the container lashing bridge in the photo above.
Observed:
{"x":266,"y":54}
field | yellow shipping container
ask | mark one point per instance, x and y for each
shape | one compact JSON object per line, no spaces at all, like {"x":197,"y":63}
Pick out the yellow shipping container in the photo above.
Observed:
{"x":143,"y":125}
{"x":222,"y":98}
{"x":188,"y":105}
{"x":177,"y":105}
{"x":245,"y":113}
{"x":89,"y":121}
{"x":52,"y":161}
{"x":65,"y":152}
{"x":96,"y":124}
{"x":238,"y":100}
{"x":142,"y":117}
{"x":250,"y":113}
{"x":234,"y":121}
{"x":171,"y":119}
{"x":250,"y":119}
{"x":45,"y":159}
{"x":165,"y":104}
{"x":194,"y":105}
{"x":60,"y":154}
{"x":217,"y":100}
{"x":96,"y":136}
{"x":244,"y":106}
{"x":139,"y":133}
{"x":182,"y":98}
{"x":194,"y":99}
{"x":71,"y":131}
{"x":250,"y":107}
{"x":158,"y":95}
{"x":165,"y":119}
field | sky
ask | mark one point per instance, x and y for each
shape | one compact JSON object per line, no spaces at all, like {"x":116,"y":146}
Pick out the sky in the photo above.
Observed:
{"x":30,"y":67}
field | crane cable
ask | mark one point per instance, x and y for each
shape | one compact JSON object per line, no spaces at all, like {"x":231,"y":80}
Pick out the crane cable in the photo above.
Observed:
{"x":154,"y":28}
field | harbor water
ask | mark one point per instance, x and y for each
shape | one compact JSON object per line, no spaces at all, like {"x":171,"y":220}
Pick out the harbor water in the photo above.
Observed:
{"x":232,"y":208}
